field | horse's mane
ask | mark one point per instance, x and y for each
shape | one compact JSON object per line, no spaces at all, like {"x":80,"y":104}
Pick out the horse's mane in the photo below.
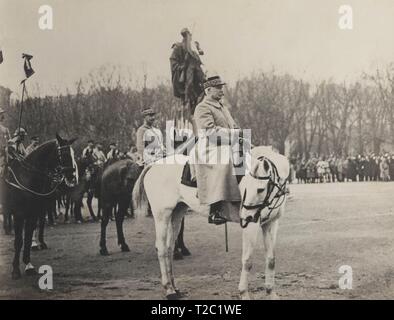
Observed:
{"x":40,"y":150}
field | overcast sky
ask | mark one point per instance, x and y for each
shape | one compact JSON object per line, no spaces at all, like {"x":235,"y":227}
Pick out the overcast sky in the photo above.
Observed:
{"x":300,"y":37}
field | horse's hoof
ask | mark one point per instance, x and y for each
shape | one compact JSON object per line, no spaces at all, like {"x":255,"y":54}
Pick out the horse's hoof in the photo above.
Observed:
{"x":35,"y":248}
{"x":180,"y":294}
{"x":31,"y":272}
{"x":125,"y":248}
{"x":16,"y":274}
{"x":178,"y":255}
{"x":185,"y":251}
{"x":104,"y":252}
{"x":172,"y":296}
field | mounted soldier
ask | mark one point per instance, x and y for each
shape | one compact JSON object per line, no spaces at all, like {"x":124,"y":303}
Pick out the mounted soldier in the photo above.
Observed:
{"x":150,"y":145}
{"x":216,"y":178}
{"x":15,"y":144}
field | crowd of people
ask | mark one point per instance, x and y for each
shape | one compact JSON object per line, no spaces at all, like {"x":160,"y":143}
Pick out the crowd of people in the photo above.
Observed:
{"x":370,"y":167}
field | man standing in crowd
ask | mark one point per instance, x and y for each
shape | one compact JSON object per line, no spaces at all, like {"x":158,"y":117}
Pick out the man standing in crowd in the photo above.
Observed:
{"x":88,"y":150}
{"x":99,"y":155}
{"x":113,"y":153}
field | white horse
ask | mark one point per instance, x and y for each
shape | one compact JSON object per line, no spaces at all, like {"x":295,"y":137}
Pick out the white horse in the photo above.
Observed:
{"x":263,"y":201}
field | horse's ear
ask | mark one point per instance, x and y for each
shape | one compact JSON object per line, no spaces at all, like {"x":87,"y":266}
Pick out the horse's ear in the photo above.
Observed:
{"x":72,"y":140}
{"x":59,"y":138}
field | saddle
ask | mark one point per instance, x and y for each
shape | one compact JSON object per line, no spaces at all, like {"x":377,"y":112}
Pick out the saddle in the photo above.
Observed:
{"x":187,"y":176}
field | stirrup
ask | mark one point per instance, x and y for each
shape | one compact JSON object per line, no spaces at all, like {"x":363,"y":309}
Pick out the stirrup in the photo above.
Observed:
{"x":216,"y":219}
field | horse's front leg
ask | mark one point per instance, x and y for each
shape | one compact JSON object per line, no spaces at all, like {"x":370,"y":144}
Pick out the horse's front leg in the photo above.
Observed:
{"x":7,"y":220}
{"x":119,"y":218}
{"x":269,"y":235}
{"x":30,"y":226}
{"x":41,"y":229}
{"x":99,"y":208}
{"x":162,"y":224}
{"x":18,"y":231}
{"x":89,"y":203}
{"x":67,"y":205}
{"x":104,"y":223}
{"x":249,"y":238}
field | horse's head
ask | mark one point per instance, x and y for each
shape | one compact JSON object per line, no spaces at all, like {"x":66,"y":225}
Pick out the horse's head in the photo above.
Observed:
{"x":66,"y":161}
{"x":259,"y":188}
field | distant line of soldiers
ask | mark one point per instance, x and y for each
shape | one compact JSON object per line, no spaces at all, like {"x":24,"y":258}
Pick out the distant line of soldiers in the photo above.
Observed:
{"x":370,"y":167}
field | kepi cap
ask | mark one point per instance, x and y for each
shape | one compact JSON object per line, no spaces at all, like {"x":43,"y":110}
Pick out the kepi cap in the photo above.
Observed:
{"x":148,"y":111}
{"x":213,"y":82}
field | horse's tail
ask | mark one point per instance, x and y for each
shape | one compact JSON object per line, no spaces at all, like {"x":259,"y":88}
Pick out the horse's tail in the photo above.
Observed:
{"x":140,"y":200}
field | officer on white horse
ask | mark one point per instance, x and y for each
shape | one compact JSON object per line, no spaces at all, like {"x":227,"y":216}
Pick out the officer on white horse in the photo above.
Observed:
{"x":214,"y":161}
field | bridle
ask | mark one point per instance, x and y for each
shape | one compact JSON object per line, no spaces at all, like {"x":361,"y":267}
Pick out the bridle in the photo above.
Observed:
{"x":272,"y":185}
{"x":56,"y":177}
{"x":60,"y":151}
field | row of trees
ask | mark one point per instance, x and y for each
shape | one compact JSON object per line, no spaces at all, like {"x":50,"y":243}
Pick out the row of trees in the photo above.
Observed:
{"x":323,"y":118}
{"x":279,"y":109}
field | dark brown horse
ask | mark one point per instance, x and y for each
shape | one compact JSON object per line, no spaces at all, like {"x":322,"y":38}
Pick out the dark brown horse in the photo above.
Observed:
{"x":117,"y":184}
{"x":30,"y":183}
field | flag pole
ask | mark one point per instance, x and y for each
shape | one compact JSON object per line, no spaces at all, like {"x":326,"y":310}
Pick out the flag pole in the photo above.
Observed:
{"x":28,"y":73}
{"x":21,"y":110}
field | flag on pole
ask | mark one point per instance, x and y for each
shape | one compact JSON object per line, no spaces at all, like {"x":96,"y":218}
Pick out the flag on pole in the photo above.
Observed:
{"x":27,"y":65}
{"x":1,"y":56}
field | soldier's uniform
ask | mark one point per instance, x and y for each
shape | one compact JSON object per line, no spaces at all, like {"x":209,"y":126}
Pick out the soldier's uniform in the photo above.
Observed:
{"x":15,"y":144}
{"x":113,"y":154}
{"x":150,"y":146}
{"x":213,"y":157}
{"x":87,"y":151}
{"x":99,"y":156}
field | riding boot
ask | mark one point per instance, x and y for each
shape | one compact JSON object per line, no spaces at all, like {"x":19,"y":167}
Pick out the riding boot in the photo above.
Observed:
{"x":214,"y":213}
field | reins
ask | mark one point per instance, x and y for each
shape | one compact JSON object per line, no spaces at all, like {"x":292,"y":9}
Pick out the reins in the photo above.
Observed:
{"x":20,"y":186}
{"x":57,"y":176}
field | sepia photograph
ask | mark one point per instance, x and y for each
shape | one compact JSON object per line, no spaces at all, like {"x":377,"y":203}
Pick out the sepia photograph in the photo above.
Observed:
{"x":196,"y":150}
